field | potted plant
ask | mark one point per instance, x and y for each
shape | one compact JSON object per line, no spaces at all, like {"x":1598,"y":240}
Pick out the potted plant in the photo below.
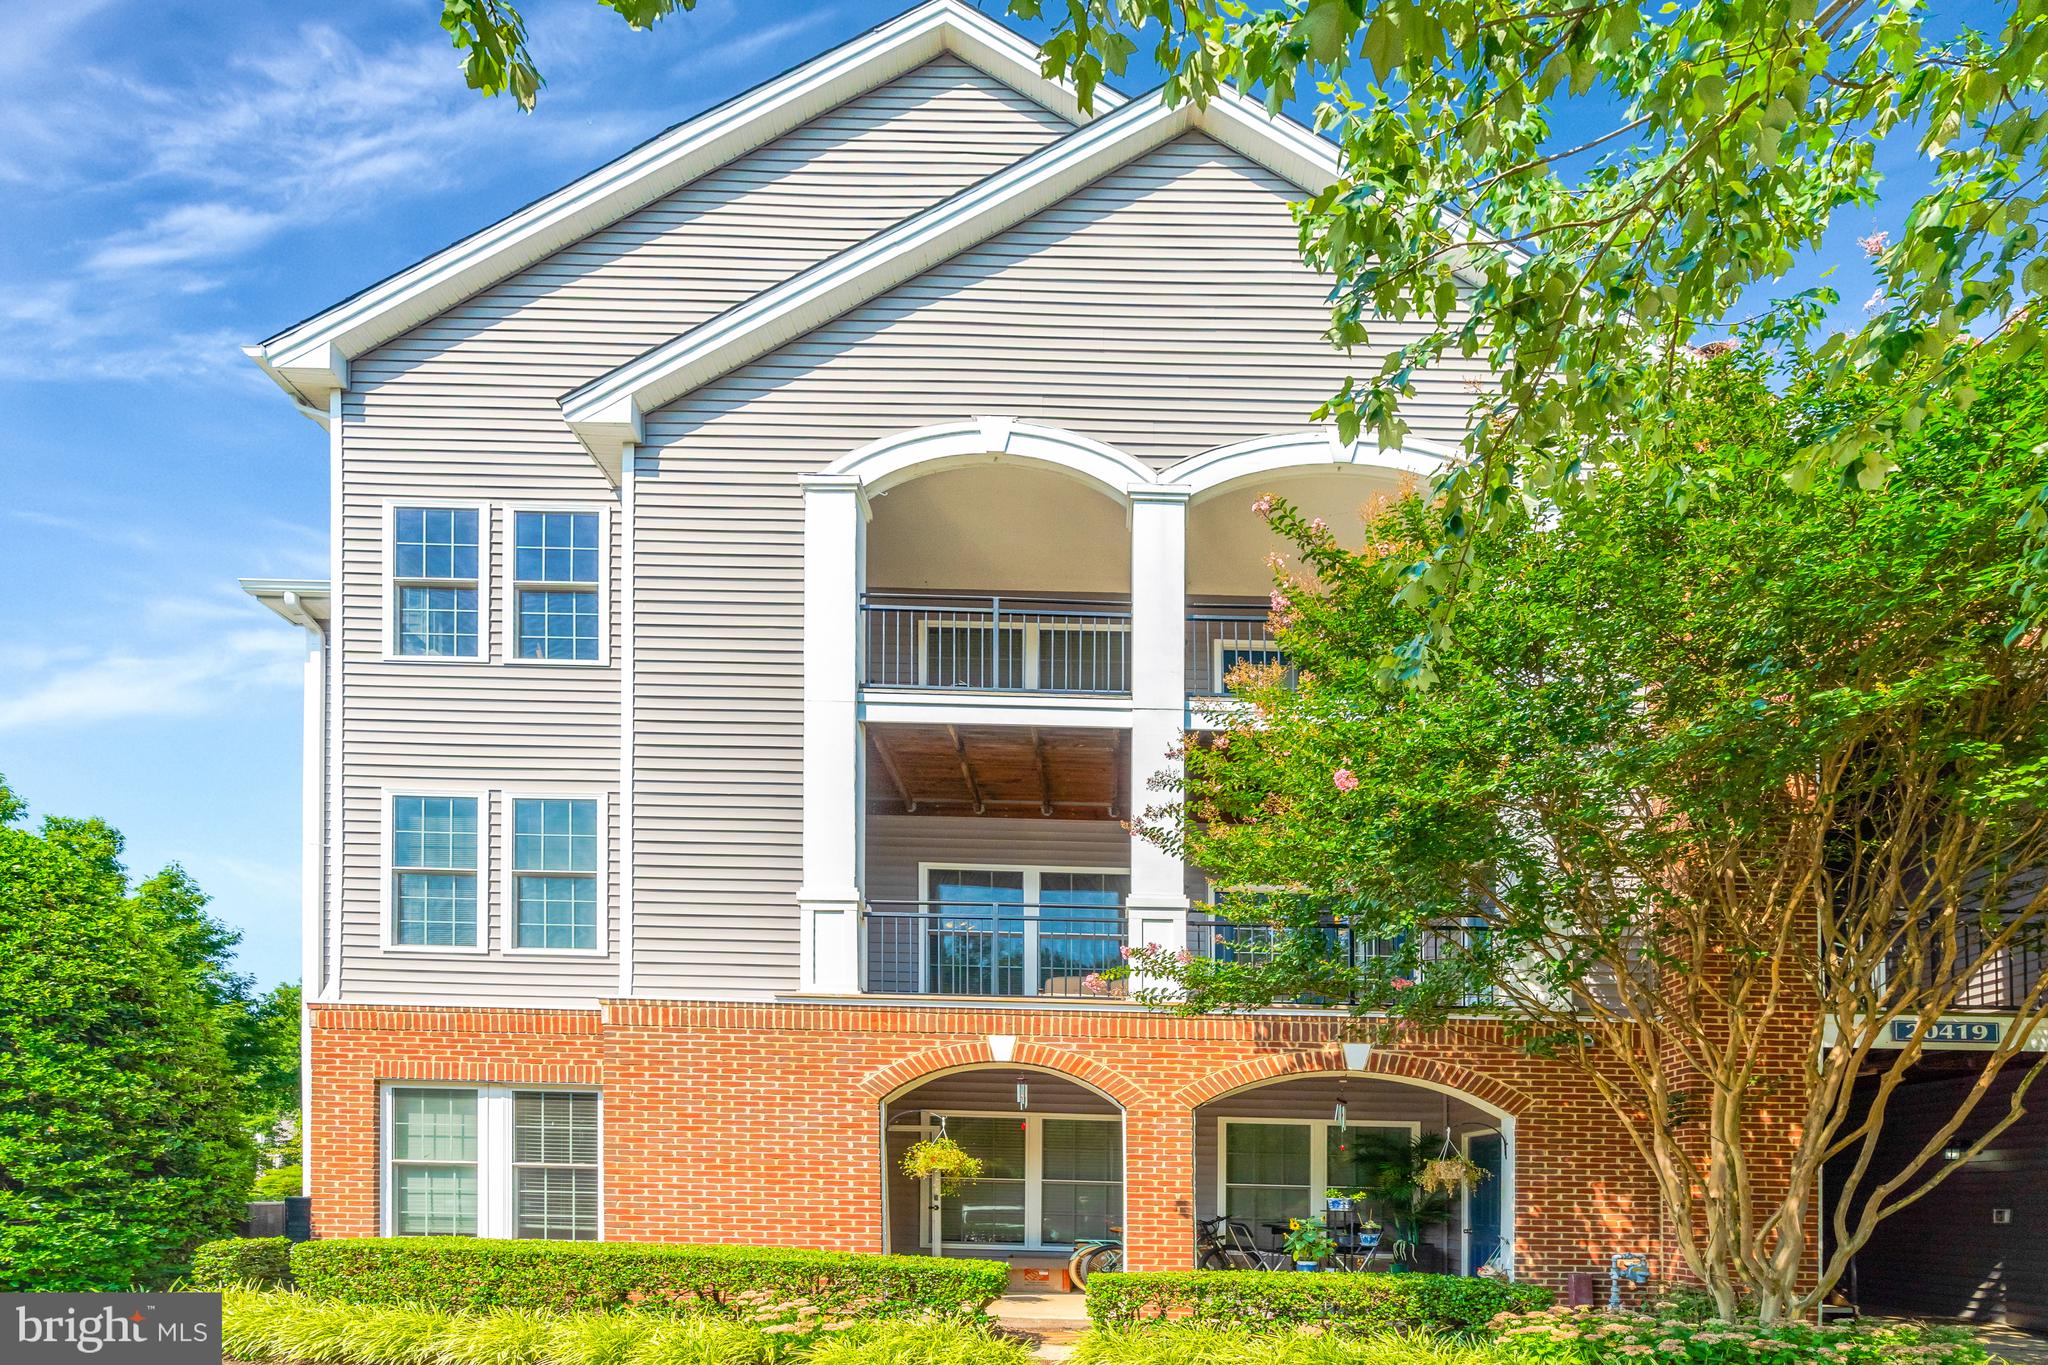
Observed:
{"x":944,"y":1158}
{"x":1308,"y":1242}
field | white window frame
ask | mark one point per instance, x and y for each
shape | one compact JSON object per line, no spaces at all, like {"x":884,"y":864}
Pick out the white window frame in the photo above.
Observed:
{"x":388,"y":837}
{"x":1034,"y":1176}
{"x":1318,"y":1154}
{"x":1216,"y":648}
{"x":1030,"y":630}
{"x":388,"y":557}
{"x":1032,"y":879}
{"x":509,"y":878}
{"x":497,"y":1188}
{"x":602,"y":588}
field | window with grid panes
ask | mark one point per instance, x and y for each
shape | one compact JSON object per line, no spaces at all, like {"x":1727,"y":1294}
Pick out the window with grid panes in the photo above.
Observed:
{"x":555,"y":578}
{"x":991,"y":1209}
{"x":1267,"y":1172}
{"x":1081,"y":1180}
{"x":434,"y":871}
{"x":554,"y":1163}
{"x":434,"y":1178}
{"x":434,"y":574}
{"x":554,"y":873}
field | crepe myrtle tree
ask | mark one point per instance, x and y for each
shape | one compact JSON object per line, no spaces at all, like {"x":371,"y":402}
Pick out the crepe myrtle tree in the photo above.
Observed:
{"x":1711,"y":142}
{"x":1711,"y":791}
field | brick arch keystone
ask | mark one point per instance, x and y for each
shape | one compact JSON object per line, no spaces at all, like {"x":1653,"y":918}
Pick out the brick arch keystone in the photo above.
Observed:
{"x":889,"y":1080}
{"x":1393,"y":1066}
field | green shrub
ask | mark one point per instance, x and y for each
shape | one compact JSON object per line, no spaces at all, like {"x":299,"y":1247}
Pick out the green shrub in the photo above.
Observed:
{"x":279,"y":1182}
{"x":760,"y":1285}
{"x":273,"y":1326}
{"x":120,"y":1136}
{"x":1563,"y":1336}
{"x":904,"y":1343}
{"x":1240,"y":1298}
{"x":1191,"y":1344}
{"x":262,"y":1262}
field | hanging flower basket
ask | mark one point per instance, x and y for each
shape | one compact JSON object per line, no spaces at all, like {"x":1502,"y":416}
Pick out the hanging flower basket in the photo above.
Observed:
{"x":1442,"y":1174}
{"x":944,"y":1158}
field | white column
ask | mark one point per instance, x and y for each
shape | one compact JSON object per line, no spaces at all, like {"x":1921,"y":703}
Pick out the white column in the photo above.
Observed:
{"x":835,"y":522}
{"x":1158,"y":905}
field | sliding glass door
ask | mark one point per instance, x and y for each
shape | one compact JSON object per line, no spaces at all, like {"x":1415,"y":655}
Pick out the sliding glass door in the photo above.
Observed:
{"x":1020,"y":930}
{"x":1046,"y":1181}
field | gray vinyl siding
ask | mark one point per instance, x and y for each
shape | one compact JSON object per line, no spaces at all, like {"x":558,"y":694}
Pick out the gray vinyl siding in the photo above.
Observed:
{"x":898,"y":843}
{"x":1164,"y":310}
{"x":464,"y":408}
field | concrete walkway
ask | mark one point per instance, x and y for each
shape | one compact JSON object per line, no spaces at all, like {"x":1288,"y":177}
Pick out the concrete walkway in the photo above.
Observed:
{"x":1047,"y":1321}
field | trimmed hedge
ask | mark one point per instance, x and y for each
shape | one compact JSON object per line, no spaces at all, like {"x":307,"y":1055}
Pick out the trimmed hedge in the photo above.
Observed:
{"x":245,"y":1261}
{"x":1261,"y":1297}
{"x":745,"y":1284}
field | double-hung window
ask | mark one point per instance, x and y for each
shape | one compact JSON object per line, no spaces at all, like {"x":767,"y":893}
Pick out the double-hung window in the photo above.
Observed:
{"x":435,"y":574}
{"x":491,"y":1161}
{"x":554,"y":873}
{"x":555,"y":568}
{"x":434,"y":866}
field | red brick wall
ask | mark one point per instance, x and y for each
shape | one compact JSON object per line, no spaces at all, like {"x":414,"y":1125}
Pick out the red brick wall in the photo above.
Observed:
{"x":762,"y":1123}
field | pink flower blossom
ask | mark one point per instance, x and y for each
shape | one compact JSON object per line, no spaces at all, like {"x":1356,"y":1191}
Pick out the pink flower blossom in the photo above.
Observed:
{"x":1279,"y":601}
{"x":1263,"y":504}
{"x":1125,"y":951}
{"x":1094,"y":984}
{"x":1874,"y":245}
{"x":1318,"y":524}
{"x":1345,"y":780}
{"x":1401,"y":983}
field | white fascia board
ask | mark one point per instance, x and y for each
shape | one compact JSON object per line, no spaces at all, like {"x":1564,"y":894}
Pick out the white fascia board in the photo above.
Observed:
{"x":310,"y":359}
{"x":598,"y":410}
{"x":295,"y":599}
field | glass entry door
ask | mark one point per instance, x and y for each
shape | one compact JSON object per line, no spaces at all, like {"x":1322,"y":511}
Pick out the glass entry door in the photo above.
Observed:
{"x":1046,"y":1180}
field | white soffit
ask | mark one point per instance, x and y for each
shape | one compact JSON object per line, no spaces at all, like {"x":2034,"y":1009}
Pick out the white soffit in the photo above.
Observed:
{"x":609,"y":411}
{"x":310,"y":360}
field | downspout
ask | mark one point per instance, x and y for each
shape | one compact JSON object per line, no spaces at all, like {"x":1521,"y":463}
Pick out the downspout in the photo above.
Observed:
{"x":312,"y":853}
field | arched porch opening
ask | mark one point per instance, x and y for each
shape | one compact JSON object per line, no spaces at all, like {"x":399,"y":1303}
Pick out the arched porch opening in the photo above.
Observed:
{"x":1052,"y":1149}
{"x":1311,"y":1143}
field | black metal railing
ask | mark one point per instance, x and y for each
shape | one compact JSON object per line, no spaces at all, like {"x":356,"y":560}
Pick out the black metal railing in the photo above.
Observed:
{"x":1220,"y":637}
{"x":2001,"y":983}
{"x":1222,"y":940}
{"x":993,"y":643}
{"x":1047,"y":949}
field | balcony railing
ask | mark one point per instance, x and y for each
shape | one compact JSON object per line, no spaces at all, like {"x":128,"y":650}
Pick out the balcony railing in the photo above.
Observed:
{"x":997,"y":644}
{"x":930,"y":948}
{"x":1226,"y":941}
{"x":1219,"y":638}
{"x":2002,"y":983}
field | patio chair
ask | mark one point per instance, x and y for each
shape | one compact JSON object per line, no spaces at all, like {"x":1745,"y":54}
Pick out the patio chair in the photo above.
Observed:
{"x":1245,"y":1253}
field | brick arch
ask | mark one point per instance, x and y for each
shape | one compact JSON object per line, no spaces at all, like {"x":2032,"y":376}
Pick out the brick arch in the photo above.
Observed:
{"x":1394,"y":1066}
{"x":900,"y":1075}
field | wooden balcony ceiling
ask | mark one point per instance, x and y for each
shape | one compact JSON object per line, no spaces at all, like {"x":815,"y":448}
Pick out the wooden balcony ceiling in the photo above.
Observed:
{"x":1010,"y":770}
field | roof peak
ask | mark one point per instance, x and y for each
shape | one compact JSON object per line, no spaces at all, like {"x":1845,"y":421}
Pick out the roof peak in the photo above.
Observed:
{"x":310,"y":359}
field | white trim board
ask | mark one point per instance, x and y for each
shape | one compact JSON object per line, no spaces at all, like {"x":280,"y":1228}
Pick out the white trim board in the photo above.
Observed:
{"x":310,"y":359}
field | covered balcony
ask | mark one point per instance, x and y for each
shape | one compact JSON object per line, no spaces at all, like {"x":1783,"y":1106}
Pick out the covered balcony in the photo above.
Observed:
{"x":996,"y":862}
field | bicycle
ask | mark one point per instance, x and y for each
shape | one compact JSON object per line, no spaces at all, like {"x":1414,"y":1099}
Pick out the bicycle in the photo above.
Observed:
{"x":1095,"y":1253}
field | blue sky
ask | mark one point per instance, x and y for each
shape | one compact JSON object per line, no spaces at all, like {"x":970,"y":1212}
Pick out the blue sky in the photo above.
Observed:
{"x":179,"y":179}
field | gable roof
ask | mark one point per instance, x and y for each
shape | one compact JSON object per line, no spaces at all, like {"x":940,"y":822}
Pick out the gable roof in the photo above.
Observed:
{"x":310,"y":359}
{"x":609,"y":412}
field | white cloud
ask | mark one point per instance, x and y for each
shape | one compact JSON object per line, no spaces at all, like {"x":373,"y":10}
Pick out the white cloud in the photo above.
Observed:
{"x":206,"y":675}
{"x":187,"y":232}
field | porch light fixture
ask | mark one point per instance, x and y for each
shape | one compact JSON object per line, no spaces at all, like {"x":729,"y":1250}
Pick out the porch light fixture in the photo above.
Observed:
{"x":1023,"y":1095}
{"x":1951,"y":1154}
